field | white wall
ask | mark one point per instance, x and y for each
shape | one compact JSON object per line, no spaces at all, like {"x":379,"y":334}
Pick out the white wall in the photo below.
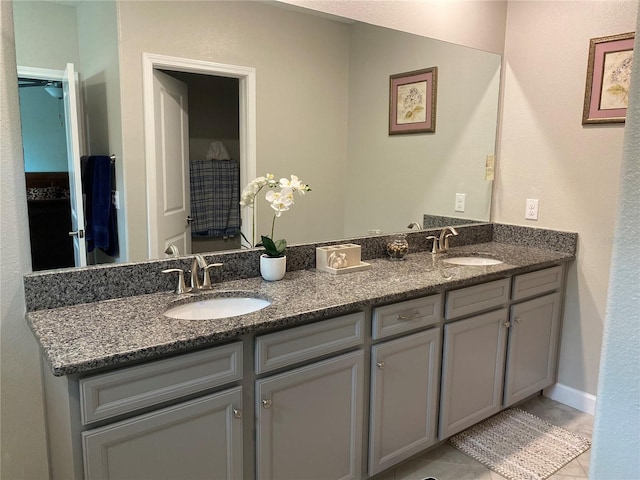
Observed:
{"x":22,"y":436}
{"x":293,"y":54}
{"x":546,"y":153}
{"x":473,"y":23}
{"x":616,"y":440}
{"x":422,"y":172}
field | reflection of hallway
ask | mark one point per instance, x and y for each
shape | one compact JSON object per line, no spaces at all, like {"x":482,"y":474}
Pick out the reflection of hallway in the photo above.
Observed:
{"x":214,"y":116}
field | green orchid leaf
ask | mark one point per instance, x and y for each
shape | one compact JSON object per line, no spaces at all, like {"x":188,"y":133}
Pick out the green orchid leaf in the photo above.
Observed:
{"x":273,"y":249}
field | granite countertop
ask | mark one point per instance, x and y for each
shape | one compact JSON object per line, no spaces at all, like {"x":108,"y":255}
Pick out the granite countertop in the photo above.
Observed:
{"x":93,"y":336}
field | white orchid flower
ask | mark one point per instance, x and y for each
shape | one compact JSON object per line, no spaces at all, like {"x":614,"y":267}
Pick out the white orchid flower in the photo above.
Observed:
{"x":280,"y":201}
{"x":295,"y":184}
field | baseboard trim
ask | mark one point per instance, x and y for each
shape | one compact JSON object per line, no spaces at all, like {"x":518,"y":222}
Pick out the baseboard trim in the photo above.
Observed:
{"x":583,"y":401}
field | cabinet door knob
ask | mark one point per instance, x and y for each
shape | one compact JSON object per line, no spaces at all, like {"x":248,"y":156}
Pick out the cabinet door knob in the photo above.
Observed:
{"x":507,"y":324}
{"x":380,"y":365}
{"x":237,"y":413}
{"x":266,"y":403}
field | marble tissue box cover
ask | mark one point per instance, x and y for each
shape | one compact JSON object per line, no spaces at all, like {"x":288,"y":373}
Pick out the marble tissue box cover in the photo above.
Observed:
{"x":338,"y":259}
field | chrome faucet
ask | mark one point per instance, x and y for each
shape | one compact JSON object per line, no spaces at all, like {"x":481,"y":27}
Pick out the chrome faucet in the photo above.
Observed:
{"x":172,"y":250}
{"x":199,"y":262}
{"x":414,"y":224}
{"x":443,"y":243}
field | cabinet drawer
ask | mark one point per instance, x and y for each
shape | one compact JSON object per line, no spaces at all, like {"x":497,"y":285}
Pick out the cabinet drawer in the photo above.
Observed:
{"x":477,"y":298}
{"x":405,"y":316}
{"x":129,"y":389}
{"x":536,"y":283}
{"x":297,"y":344}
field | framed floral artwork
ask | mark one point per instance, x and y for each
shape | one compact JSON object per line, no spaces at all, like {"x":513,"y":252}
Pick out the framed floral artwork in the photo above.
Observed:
{"x":412,"y":101}
{"x":608,"y":78}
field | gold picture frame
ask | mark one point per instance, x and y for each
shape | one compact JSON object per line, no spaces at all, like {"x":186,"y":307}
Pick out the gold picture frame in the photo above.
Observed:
{"x":608,"y":78}
{"x":412,"y":101}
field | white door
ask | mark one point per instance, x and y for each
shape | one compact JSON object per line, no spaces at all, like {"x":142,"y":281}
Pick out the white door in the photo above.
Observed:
{"x":173,"y":204}
{"x":71,"y":115}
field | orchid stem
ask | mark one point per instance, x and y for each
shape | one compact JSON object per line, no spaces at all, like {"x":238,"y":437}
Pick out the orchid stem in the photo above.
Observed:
{"x":273,"y":225}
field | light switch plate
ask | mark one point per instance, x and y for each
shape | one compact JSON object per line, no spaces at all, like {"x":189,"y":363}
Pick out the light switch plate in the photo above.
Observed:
{"x":460,"y":198}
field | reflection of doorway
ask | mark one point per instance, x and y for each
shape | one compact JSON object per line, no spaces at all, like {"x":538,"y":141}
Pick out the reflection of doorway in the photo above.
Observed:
{"x":46,"y":171}
{"x":214,"y":151}
{"x":56,"y":188}
{"x":156,"y":196}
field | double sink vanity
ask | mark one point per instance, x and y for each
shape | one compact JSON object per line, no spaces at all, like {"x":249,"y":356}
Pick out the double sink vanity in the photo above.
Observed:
{"x":335,"y":376}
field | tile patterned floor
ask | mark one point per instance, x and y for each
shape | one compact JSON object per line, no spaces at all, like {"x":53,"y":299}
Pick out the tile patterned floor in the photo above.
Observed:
{"x":448,"y":463}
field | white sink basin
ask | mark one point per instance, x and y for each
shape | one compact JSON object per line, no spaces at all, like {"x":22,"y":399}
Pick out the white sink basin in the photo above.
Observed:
{"x":217,"y":307}
{"x":472,"y":261}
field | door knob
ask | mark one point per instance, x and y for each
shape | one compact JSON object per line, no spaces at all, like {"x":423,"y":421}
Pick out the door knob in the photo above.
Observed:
{"x":79,"y":234}
{"x":189,"y":219}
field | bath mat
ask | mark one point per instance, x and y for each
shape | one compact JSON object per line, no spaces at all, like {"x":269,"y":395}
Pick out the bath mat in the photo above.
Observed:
{"x":519,"y":445}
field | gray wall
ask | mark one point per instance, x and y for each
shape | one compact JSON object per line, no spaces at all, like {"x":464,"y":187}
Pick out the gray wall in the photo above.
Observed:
{"x":46,"y":44}
{"x":616,"y":437}
{"x":22,"y":437}
{"x":546,"y":153}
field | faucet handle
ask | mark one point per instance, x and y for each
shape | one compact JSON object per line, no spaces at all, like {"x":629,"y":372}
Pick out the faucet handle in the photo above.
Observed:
{"x":181,"y":287}
{"x":446,"y":241}
{"x":206,"y":282}
{"x":434,"y":247}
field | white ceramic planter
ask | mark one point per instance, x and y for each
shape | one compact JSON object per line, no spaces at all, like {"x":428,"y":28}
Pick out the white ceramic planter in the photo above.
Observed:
{"x":272,"y":268}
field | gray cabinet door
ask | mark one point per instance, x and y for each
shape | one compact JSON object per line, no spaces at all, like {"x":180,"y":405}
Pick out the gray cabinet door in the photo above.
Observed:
{"x":404,"y":398}
{"x":199,"y":439}
{"x":533,"y":345}
{"x":309,"y":421}
{"x":472,"y":370}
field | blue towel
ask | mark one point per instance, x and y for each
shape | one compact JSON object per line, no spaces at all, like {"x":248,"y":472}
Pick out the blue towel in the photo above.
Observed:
{"x":215,"y":197}
{"x":100,"y":215}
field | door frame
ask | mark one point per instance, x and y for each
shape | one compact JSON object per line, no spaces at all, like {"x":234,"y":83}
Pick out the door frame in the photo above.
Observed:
{"x":247,"y":81}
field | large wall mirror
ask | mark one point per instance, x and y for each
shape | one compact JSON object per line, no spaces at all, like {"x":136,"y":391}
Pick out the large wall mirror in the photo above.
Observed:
{"x":322,"y":108}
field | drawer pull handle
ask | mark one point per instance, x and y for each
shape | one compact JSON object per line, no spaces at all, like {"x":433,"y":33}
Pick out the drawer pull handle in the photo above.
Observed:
{"x":380,"y":365}
{"x":409,"y":316}
{"x":507,"y":324}
{"x":237,"y":413}
{"x":266,"y":403}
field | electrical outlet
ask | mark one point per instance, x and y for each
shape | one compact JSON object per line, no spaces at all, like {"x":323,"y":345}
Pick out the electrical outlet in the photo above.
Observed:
{"x":531,"y":212}
{"x":459,"y":202}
